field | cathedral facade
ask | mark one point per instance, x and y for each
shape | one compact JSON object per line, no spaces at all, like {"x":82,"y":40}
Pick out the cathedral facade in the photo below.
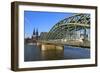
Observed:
{"x":35,"y":35}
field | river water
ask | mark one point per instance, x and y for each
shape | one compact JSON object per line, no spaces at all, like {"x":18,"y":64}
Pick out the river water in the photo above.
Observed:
{"x":33,"y":53}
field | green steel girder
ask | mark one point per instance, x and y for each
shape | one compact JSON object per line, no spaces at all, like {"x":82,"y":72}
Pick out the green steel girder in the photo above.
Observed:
{"x":57,"y":33}
{"x":76,"y":22}
{"x":76,"y":19}
{"x":68,"y":28}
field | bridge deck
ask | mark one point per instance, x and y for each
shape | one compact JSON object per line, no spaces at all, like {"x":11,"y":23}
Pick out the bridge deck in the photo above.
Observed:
{"x":69,"y":43}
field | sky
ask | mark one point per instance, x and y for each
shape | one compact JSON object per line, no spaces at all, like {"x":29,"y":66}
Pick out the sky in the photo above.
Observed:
{"x":43,"y":21}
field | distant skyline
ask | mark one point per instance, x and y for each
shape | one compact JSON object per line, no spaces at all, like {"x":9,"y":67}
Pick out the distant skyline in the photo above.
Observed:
{"x":43,"y":21}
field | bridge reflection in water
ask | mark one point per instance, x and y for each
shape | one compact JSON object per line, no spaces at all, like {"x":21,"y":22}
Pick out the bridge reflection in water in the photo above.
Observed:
{"x":33,"y":53}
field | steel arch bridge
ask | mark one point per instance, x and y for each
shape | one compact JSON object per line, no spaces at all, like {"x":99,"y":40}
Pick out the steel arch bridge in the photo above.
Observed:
{"x":68,"y":29}
{"x":68,"y":26}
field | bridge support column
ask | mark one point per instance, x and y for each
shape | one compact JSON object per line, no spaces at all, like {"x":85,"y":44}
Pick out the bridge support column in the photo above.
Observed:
{"x":51,"y":47}
{"x":52,"y":51}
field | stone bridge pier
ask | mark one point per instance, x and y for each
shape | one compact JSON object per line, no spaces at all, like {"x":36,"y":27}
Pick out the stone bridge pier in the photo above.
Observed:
{"x":51,"y":51}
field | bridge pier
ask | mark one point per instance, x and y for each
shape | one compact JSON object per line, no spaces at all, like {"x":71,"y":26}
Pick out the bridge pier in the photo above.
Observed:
{"x":51,"y":51}
{"x":51,"y":47}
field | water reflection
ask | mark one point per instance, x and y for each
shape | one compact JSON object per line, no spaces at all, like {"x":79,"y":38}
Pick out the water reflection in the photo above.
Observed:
{"x":34,"y":53}
{"x":52,"y":54}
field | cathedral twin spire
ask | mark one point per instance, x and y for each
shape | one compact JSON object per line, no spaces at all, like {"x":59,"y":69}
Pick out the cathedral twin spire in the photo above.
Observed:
{"x":35,"y":32}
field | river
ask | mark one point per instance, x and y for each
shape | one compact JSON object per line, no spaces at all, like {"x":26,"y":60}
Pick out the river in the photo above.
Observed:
{"x":33,"y":53}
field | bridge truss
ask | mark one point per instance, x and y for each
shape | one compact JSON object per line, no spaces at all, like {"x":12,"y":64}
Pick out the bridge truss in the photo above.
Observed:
{"x":70,"y":28}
